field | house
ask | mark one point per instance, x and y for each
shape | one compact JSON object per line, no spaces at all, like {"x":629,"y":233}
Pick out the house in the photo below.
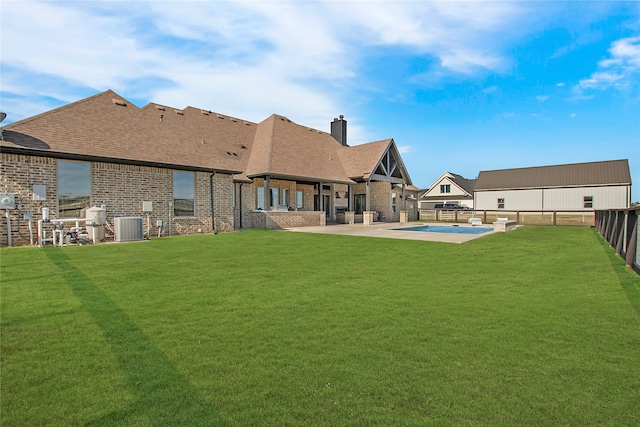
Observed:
{"x":449,"y":188}
{"x":568,"y":187}
{"x":192,"y":170}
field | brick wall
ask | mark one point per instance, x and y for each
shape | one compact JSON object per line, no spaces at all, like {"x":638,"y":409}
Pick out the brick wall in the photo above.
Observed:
{"x":122,"y":188}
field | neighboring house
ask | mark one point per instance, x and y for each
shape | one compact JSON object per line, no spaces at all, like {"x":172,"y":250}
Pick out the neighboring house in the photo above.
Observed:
{"x":580,"y":186}
{"x":197,"y":171}
{"x":449,"y":188}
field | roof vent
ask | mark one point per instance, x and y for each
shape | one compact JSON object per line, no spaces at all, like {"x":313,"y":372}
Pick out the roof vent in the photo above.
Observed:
{"x":243,"y":146}
{"x":247,"y":123}
{"x":180,"y":112}
{"x":119,"y":102}
{"x":160,"y":107}
{"x":205,"y":112}
{"x":220,"y":117}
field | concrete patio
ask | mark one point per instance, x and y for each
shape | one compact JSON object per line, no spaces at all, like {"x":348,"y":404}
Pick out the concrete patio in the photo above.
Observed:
{"x":390,"y":231}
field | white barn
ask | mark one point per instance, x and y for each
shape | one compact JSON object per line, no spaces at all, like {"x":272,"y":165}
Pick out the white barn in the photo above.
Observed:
{"x":571,"y":187}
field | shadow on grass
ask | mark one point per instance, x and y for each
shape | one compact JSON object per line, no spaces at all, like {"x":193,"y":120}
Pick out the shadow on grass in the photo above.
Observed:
{"x":629,"y":280}
{"x":162,"y":396}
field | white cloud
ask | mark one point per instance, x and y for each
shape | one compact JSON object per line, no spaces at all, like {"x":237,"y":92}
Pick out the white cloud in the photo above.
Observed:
{"x":561,"y":84}
{"x":249,"y":59}
{"x":542,"y":98}
{"x":619,"y":70}
{"x":460,"y":36}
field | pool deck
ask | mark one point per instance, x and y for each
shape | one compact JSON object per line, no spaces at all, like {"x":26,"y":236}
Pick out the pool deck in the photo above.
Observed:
{"x":386,"y":230}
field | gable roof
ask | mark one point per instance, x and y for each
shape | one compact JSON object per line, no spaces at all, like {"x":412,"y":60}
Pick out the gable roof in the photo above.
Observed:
{"x":107,"y":127}
{"x":466,"y":185}
{"x":613,"y":172}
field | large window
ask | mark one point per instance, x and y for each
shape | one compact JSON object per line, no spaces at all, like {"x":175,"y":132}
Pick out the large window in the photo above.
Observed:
{"x":299,"y":199}
{"x":285,"y":196}
{"x":74,"y":188}
{"x":275,"y":197}
{"x":184,"y":193}
{"x":360,"y":202}
{"x":260,"y":199}
{"x":393,"y":202}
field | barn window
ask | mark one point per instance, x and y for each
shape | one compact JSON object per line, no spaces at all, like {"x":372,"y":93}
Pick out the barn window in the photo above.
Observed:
{"x":500,"y":203}
{"x":588,"y":202}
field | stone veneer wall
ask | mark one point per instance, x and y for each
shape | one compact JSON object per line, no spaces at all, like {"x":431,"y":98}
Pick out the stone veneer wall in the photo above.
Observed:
{"x":280,"y":220}
{"x":122,"y":188}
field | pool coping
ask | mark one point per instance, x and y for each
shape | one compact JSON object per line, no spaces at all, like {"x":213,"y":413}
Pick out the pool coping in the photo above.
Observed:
{"x":390,"y":230}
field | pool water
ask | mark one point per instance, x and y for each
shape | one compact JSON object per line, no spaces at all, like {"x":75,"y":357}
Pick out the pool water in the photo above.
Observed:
{"x":447,"y":229}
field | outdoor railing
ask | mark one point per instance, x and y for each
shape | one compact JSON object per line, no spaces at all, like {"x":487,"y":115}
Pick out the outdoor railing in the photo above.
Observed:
{"x":620,"y":229}
{"x":522,"y":217}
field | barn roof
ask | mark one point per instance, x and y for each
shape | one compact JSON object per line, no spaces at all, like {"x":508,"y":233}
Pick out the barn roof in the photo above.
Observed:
{"x":612,"y":172}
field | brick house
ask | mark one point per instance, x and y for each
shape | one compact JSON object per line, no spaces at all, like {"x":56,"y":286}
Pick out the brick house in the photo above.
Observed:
{"x":195,"y":170}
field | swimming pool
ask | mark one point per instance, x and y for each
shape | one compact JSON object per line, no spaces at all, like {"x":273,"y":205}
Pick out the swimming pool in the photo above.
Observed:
{"x":447,"y":229}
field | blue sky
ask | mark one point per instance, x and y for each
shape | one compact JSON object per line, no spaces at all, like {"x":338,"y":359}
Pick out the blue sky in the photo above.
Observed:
{"x":460,"y":86}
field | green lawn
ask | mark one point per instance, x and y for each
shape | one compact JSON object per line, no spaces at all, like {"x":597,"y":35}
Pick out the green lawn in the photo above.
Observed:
{"x":540,"y":326}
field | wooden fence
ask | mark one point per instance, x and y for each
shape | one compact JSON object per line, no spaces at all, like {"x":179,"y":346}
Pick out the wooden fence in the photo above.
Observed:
{"x":579,"y":218}
{"x":620,"y":229}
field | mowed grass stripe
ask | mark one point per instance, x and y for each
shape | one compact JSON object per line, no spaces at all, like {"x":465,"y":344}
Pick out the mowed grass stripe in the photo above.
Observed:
{"x":533,"y":327}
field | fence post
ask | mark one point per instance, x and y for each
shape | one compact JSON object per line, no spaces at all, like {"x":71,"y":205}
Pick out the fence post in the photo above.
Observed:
{"x":633,"y":243}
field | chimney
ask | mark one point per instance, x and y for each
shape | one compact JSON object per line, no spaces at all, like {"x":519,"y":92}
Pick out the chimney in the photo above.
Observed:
{"x":339,"y":130}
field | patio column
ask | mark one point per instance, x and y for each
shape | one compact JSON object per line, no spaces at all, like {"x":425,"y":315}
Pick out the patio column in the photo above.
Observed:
{"x":368,"y":196}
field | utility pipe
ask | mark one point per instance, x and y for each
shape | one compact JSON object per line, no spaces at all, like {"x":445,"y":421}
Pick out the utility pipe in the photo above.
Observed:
{"x":8,"y":215}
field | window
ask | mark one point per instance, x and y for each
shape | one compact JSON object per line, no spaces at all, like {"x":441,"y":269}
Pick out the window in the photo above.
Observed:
{"x":588,"y":202}
{"x":74,"y":188}
{"x":360,"y":202}
{"x":393,"y":202}
{"x":275,"y":197}
{"x":285,"y":196}
{"x":184,"y":193}
{"x":299,"y":199}
{"x":445,"y":188}
{"x":260,"y":199}
{"x":500,"y":203}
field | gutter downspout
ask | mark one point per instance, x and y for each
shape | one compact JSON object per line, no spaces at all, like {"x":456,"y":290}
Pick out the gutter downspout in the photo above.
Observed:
{"x":213,"y":216}
{"x":240,"y":201}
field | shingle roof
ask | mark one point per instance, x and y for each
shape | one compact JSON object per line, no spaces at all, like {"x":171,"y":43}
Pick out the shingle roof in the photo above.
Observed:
{"x":286,"y":149}
{"x":360,"y":160}
{"x":464,"y":183}
{"x":108,"y":127}
{"x":613,"y":172}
